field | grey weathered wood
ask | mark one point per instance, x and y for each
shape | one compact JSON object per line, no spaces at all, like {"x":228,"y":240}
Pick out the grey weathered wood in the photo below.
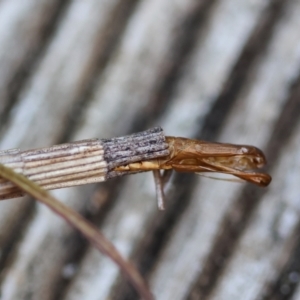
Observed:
{"x":23,"y":28}
{"x":262,"y":100}
{"x":224,"y":70}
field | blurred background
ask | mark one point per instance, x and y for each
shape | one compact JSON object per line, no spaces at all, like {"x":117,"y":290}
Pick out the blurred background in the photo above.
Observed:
{"x":220,"y":70}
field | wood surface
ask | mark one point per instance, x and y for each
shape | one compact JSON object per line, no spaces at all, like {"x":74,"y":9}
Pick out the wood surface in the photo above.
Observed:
{"x":220,"y":70}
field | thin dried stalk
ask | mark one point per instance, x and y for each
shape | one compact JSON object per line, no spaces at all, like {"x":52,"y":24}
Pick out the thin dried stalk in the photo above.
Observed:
{"x":80,"y":162}
{"x":77,"y":221}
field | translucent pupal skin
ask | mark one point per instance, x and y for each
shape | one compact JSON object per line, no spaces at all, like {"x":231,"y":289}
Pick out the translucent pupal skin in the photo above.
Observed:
{"x":188,"y":155}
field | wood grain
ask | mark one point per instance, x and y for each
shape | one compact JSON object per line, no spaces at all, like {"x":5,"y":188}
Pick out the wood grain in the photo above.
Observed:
{"x":221,"y":70}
